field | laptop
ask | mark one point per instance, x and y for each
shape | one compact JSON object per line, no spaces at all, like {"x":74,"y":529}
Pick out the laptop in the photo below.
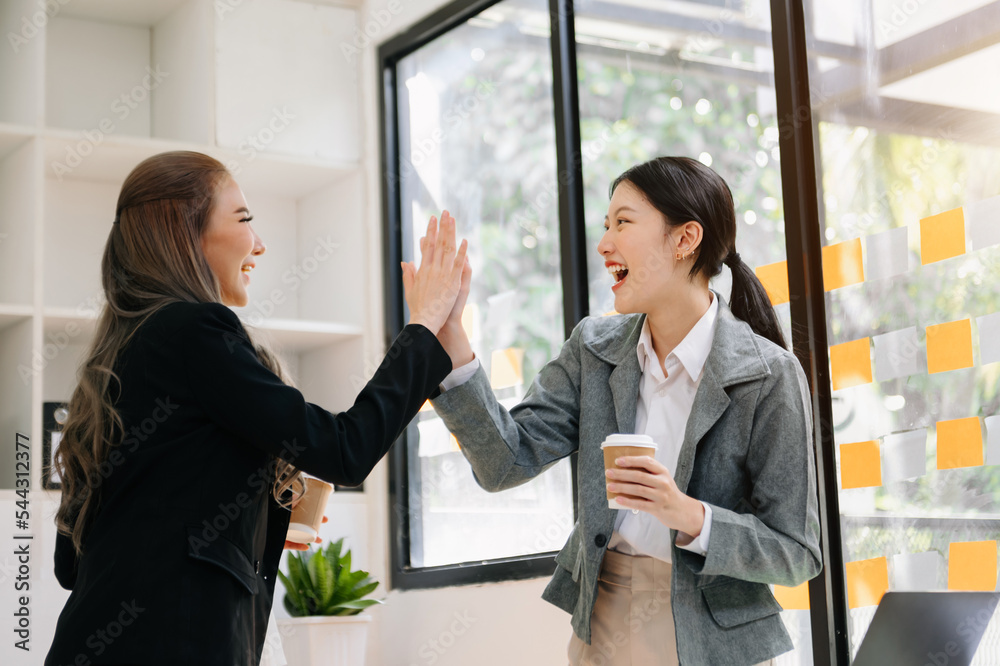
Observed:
{"x":927,"y":628}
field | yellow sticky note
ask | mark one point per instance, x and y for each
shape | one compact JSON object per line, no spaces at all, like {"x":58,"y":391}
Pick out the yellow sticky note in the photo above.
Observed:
{"x":972,"y":566}
{"x":860,"y":465}
{"x":505,"y":367}
{"x":774,"y":277}
{"x":949,"y":346}
{"x":867,"y":581}
{"x":851,"y":364}
{"x":942,"y":236}
{"x":842,"y":265}
{"x":959,"y":443}
{"x":793,"y":598}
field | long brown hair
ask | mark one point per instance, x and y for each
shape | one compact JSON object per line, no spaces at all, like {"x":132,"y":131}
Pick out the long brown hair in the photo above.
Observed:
{"x":152,"y":257}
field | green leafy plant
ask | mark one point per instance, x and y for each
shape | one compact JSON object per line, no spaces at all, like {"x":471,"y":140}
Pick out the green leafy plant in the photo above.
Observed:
{"x":322,"y":583}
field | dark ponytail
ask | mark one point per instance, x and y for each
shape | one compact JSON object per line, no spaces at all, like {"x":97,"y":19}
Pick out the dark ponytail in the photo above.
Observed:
{"x":684,"y":189}
{"x":750,"y":302}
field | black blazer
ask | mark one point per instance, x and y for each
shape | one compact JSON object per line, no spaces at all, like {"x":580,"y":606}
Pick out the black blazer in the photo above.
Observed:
{"x":179,"y":562}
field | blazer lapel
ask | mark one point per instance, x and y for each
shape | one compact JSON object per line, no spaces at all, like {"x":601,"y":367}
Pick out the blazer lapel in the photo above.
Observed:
{"x":710,"y":403}
{"x":616,"y":346}
{"x":624,"y":384}
{"x":734,"y":358}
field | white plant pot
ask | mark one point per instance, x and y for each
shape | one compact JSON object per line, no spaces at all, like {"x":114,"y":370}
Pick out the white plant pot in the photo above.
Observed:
{"x":326,"y":641}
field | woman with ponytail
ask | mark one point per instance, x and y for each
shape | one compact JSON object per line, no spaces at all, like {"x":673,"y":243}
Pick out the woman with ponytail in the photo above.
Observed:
{"x":185,"y":441}
{"x":679,"y":571}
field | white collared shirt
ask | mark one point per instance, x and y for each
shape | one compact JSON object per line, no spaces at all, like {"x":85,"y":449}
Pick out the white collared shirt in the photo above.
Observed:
{"x":662,"y":413}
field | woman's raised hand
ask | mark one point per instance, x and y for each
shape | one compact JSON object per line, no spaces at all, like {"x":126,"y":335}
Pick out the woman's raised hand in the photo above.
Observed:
{"x":432,"y":288}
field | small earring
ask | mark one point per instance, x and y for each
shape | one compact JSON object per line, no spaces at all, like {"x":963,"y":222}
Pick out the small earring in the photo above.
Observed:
{"x":679,"y":257}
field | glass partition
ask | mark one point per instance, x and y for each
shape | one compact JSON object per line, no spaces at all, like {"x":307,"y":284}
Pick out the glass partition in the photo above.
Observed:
{"x":908,"y":138}
{"x":693,"y":79}
{"x":477,"y":137}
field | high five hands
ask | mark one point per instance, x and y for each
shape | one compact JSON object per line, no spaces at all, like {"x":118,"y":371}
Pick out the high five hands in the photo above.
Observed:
{"x":650,"y":487}
{"x":433,"y":288}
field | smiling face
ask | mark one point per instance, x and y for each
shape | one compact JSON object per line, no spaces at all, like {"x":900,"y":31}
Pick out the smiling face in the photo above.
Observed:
{"x":640,"y":252}
{"x":230,"y":244}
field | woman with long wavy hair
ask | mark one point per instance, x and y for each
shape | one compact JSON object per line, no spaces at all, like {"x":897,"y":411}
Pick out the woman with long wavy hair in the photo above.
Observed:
{"x":185,"y":440}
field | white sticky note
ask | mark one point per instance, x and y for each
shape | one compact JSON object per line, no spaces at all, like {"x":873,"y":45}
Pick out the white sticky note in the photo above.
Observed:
{"x":897,"y":354}
{"x":992,"y":440}
{"x":982,"y":223}
{"x":904,"y":455}
{"x":886,"y":254}
{"x":989,"y":338}
{"x":917,"y":572}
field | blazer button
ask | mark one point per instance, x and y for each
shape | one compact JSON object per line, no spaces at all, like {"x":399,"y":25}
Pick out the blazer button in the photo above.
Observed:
{"x":600,"y":540}
{"x":256,"y":566}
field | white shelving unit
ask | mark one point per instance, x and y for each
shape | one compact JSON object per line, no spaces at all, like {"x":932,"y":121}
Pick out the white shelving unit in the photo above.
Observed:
{"x":99,"y":85}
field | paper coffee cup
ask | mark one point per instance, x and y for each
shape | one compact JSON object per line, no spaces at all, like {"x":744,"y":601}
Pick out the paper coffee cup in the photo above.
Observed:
{"x":307,"y":515}
{"x":617,"y":446}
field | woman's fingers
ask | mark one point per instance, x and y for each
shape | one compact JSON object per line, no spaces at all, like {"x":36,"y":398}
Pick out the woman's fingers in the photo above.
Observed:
{"x":428,"y":243}
{"x":433,"y":288}
{"x":634,"y":490}
{"x":407,"y":276}
{"x":445,"y":250}
{"x":644,"y":462}
{"x":458,"y":268}
{"x":641,"y":478}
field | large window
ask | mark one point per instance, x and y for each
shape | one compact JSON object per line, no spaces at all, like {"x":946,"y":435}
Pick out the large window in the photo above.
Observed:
{"x":862,"y":144}
{"x":477,"y":137}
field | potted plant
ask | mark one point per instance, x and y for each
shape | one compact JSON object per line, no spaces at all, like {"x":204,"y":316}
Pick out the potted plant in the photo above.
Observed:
{"x":324,"y":597}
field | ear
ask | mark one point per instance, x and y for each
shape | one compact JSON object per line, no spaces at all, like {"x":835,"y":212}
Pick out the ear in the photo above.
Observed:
{"x":687,"y":237}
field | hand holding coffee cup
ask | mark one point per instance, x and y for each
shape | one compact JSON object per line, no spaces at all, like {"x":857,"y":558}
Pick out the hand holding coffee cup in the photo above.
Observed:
{"x":307,"y":513}
{"x":293,"y":545}
{"x":643,"y":483}
{"x":618,"y":446}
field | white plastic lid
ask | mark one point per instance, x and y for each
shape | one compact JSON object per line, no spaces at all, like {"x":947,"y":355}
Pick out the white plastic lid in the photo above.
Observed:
{"x":629,"y":440}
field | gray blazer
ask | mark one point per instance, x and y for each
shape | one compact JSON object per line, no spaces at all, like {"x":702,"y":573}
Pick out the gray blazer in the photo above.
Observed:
{"x":747,"y":452}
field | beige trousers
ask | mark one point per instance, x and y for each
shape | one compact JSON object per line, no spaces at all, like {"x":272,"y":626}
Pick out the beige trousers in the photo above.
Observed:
{"x":632,"y":623}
